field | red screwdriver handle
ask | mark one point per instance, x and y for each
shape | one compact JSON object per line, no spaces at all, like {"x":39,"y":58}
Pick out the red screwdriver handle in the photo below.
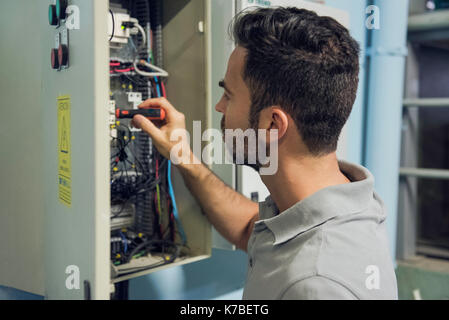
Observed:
{"x":151,"y":114}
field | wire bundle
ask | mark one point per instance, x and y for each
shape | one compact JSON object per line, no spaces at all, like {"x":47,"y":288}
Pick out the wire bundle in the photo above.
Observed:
{"x":127,"y":245}
{"x":120,"y":67}
{"x":139,"y":174}
{"x":129,"y":178}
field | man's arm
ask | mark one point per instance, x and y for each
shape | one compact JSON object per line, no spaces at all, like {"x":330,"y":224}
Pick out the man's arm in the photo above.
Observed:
{"x":232,"y":214}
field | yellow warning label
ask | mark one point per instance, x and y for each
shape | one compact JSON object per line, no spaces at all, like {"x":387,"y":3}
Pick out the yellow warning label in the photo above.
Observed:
{"x":64,"y":153}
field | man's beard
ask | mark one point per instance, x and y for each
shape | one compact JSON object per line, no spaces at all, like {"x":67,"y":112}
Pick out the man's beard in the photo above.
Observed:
{"x":257,"y":165}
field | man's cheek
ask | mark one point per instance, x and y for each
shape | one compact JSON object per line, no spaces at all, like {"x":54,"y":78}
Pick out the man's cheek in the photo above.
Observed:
{"x":233,"y":121}
{"x":223,"y":123}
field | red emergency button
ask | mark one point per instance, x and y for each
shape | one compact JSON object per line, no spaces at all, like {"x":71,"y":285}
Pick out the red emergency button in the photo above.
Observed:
{"x":54,"y":59}
{"x":63,"y":55}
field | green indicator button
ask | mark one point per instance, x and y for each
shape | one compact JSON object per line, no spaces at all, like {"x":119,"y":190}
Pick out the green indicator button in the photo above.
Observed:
{"x":61,"y":7}
{"x":52,"y":19}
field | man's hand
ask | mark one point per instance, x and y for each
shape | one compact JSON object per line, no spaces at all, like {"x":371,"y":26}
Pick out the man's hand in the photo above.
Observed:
{"x":232,"y":214}
{"x":174,"y":122}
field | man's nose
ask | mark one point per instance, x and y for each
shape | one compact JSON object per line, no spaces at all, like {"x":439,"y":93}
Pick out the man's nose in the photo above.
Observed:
{"x":220,"y":107}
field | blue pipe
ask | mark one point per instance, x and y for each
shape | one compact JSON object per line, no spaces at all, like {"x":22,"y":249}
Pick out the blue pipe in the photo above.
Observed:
{"x":384,"y":110}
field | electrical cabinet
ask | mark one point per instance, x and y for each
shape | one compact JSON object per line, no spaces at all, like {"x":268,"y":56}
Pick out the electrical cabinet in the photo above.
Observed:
{"x":73,"y":249}
{"x":56,"y":222}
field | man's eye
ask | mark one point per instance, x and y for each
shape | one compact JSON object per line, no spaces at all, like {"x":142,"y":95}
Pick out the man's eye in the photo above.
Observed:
{"x":225,"y":96}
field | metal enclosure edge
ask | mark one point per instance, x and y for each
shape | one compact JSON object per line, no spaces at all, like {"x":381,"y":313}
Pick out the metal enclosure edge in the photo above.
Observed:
{"x":76,"y":237}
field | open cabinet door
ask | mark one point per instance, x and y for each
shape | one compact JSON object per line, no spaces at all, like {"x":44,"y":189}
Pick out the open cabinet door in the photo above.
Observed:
{"x":76,"y":152}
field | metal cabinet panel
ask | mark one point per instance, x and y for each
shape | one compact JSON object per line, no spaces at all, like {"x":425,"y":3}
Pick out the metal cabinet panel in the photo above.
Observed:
{"x":76,"y":237}
{"x":21,"y":225}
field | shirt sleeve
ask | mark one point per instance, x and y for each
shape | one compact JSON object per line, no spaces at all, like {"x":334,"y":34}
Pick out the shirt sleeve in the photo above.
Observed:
{"x":318,"y":288}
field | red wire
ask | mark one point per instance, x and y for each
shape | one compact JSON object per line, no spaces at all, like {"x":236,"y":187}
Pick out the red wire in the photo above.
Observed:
{"x":155,"y":199}
{"x":123,"y":70}
{"x":158,"y":213}
{"x":164,"y":94}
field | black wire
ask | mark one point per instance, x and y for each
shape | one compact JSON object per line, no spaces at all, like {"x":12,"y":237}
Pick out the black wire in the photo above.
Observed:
{"x":151,"y":243}
{"x":135,"y":79}
{"x":144,"y":181}
{"x":113,"y":24}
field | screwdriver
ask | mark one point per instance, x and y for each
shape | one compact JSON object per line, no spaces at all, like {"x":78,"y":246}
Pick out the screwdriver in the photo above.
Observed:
{"x":151,"y":114}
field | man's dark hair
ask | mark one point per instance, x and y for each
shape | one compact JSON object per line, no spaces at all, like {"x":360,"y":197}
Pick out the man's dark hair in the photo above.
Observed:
{"x":306,"y":64}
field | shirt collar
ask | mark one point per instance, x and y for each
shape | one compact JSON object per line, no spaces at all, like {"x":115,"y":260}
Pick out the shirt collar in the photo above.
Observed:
{"x":321,"y":206}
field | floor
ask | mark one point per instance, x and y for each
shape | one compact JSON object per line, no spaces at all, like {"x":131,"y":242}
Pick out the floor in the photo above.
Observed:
{"x":422,"y":278}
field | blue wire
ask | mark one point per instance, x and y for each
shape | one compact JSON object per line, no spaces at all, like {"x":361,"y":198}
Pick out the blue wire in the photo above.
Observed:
{"x":170,"y":186}
{"x":173,"y":200}
{"x":157,"y":87}
{"x":125,"y":241}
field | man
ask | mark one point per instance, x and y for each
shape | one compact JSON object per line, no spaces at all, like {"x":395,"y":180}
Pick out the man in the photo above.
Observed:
{"x":321,"y":234}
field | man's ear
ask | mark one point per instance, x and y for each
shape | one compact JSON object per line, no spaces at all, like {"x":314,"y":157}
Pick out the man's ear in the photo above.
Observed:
{"x":274,"y":118}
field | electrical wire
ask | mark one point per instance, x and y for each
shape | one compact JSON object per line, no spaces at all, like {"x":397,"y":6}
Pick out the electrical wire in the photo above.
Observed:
{"x":151,"y":243}
{"x":157,"y":87}
{"x":151,"y":56}
{"x":158,"y":197}
{"x":164,"y":93}
{"x":153,"y":178}
{"x":125,"y":242}
{"x":175,"y":209}
{"x":134,"y":23}
{"x":113,"y":25}
{"x":157,"y":169}
{"x":143,"y":181}
{"x":170,"y":186}
{"x":142,"y":32}
{"x":159,"y":72}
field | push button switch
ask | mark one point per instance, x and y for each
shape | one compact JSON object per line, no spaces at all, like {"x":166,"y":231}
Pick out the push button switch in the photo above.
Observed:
{"x":63,"y":55}
{"x":54,"y":59}
{"x":61,"y":7}
{"x":52,"y":18}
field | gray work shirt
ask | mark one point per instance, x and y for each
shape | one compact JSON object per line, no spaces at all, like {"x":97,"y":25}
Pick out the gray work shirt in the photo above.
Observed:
{"x":331,"y":245}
